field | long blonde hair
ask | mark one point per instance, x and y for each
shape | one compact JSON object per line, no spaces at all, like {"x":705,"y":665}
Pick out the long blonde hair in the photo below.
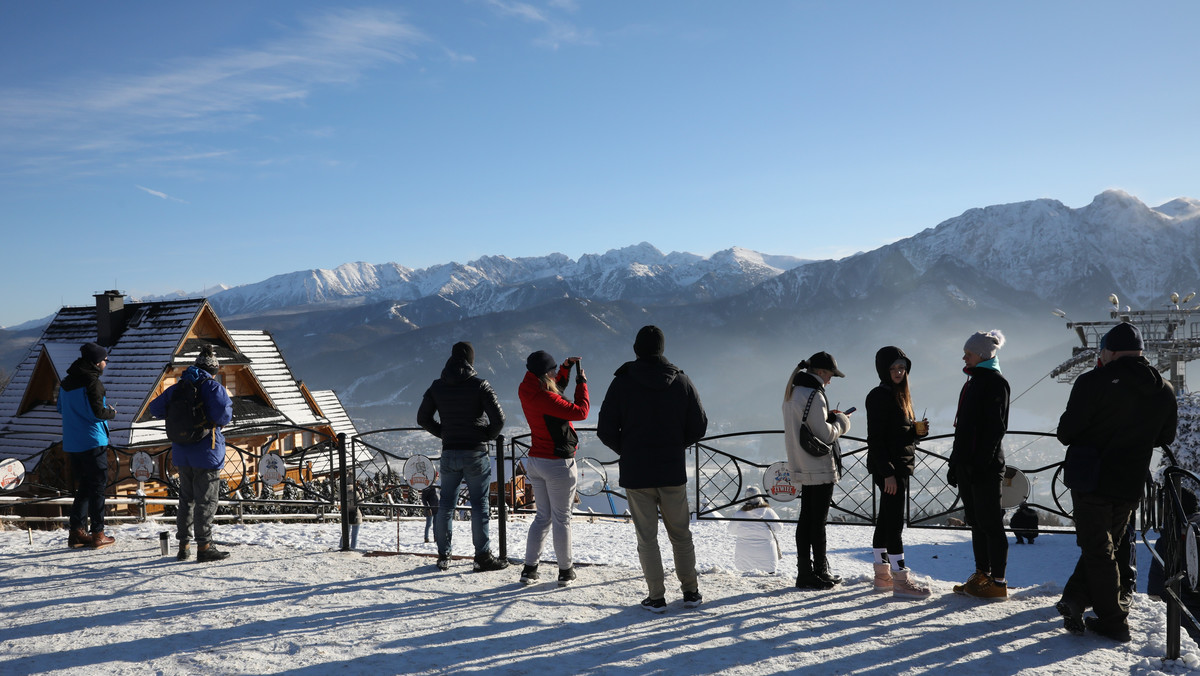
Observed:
{"x":904,"y":397}
{"x":791,"y":383}
{"x":549,"y":381}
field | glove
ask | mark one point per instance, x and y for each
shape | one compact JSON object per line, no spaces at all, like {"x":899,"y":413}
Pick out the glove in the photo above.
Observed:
{"x":952,"y":477}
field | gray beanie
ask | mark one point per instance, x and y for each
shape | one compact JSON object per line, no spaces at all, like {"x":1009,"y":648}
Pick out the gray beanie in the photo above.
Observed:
{"x":985,"y":344}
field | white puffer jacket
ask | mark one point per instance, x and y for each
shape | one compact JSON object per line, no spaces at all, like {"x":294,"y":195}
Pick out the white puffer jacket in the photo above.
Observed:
{"x":810,"y":470}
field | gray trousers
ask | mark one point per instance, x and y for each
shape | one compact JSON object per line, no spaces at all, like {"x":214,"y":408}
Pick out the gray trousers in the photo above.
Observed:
{"x":198,"y":491}
{"x":645,"y":505}
{"x":554,"y":481}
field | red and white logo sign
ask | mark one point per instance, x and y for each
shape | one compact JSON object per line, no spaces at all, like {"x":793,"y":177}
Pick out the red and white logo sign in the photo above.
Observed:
{"x":271,"y":469}
{"x":141,"y":466}
{"x":12,"y":473}
{"x":777,"y":482}
{"x":419,"y":472}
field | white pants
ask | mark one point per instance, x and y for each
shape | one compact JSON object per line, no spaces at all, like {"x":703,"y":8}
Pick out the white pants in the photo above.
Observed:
{"x":554,"y":481}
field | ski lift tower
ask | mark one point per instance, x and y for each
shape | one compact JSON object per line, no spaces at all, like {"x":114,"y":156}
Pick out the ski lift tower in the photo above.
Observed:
{"x":1172,"y":339}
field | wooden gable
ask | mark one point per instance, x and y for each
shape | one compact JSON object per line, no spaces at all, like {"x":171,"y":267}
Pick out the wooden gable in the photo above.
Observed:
{"x":42,"y":388}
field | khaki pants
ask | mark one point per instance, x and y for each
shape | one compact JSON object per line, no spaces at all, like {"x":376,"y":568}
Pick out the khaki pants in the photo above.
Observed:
{"x":645,"y":505}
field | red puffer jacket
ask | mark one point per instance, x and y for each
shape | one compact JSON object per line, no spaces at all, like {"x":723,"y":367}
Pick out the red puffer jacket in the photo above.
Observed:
{"x":549,"y":415}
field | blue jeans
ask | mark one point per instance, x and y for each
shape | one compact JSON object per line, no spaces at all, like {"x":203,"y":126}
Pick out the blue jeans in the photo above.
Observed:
{"x":474,"y":467}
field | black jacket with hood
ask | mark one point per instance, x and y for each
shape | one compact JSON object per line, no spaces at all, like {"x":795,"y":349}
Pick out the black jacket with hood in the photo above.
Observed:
{"x":1123,"y":409}
{"x":650,"y":415}
{"x":469,"y":412}
{"x":891,"y":436}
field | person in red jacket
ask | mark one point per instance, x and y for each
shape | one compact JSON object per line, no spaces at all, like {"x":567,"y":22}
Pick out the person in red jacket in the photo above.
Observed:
{"x":550,"y":464}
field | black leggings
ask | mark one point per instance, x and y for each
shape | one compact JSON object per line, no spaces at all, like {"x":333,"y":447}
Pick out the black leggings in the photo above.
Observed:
{"x":810,"y":527}
{"x":889,"y":521}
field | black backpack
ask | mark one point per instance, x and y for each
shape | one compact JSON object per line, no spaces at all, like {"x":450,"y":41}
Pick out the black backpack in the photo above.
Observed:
{"x":186,"y":421}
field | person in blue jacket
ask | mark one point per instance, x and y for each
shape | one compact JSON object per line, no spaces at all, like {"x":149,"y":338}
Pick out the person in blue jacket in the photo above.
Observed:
{"x":199,"y":464}
{"x":85,"y":415}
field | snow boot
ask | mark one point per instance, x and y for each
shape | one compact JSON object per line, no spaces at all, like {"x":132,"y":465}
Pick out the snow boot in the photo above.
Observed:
{"x":989,"y":590}
{"x":77,"y":538}
{"x":1072,"y":617}
{"x":883,"y":577}
{"x":185,"y":551}
{"x":977,"y":578}
{"x":1117,"y":631}
{"x":904,"y":586}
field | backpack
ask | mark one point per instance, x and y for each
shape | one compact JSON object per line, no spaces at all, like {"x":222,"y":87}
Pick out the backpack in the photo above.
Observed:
{"x":187,"y":422}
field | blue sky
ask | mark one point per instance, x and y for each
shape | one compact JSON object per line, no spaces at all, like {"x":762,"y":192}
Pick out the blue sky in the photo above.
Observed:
{"x":161,"y":146}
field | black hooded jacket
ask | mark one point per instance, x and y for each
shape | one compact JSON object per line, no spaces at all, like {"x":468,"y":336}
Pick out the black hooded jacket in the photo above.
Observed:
{"x":469,"y":412}
{"x":891,"y":437}
{"x":650,"y":415}
{"x":1125,"y":409}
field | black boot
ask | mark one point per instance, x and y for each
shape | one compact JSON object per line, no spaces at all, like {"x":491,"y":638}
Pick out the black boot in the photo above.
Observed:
{"x":807,"y":579}
{"x":821,"y":570}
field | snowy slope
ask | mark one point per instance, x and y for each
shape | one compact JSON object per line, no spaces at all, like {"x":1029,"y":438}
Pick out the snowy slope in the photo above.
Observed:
{"x":286,"y":602}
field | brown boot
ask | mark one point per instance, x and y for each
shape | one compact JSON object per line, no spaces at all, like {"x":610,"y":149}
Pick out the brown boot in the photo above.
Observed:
{"x":77,"y":538}
{"x":100,"y":540}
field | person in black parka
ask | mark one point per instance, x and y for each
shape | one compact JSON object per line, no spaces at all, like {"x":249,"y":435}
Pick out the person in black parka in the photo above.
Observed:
{"x":891,"y":452}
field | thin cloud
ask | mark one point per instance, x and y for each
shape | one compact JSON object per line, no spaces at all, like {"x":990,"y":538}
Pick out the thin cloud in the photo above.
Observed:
{"x":558,"y":31}
{"x":102,"y":115}
{"x":160,"y":195}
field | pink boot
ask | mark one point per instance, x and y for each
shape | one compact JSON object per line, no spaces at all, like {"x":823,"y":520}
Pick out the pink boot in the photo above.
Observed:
{"x":905,"y":587}
{"x":883,"y":577}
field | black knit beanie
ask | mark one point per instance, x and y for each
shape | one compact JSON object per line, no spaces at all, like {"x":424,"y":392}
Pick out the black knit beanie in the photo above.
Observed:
{"x":463,"y":350}
{"x":650,"y":342}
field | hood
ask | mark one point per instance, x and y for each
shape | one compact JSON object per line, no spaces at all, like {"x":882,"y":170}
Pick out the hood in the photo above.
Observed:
{"x":885,"y":357}
{"x":195,"y":374}
{"x":1138,"y":373}
{"x":653,"y":373}
{"x":457,"y":370}
{"x":806,"y":379}
{"x":79,"y":373}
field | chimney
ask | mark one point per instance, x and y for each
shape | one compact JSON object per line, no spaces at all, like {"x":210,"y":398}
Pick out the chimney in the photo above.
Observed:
{"x":110,"y":317}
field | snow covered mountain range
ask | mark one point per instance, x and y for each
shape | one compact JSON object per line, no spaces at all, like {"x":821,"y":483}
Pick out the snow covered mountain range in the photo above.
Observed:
{"x":638,"y":273}
{"x":1041,"y":247}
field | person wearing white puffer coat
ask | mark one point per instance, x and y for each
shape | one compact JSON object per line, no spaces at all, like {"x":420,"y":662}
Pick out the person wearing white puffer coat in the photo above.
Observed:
{"x":816,"y":475}
{"x":757,"y":531}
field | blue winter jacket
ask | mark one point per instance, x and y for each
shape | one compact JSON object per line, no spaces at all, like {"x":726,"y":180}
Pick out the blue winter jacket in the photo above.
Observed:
{"x":209,"y":452}
{"x":84,"y":408}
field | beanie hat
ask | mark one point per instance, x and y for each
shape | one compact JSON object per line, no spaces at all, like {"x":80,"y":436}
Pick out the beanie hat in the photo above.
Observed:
{"x":984,"y":344}
{"x":540,"y":362}
{"x":463,"y":350}
{"x":208,"y":360}
{"x":1124,"y":337}
{"x":650,"y":342}
{"x":93,"y":352}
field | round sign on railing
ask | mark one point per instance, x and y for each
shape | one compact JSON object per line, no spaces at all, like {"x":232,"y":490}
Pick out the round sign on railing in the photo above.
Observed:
{"x":141,"y":466}
{"x":777,"y":482}
{"x":272,"y":469}
{"x":1014,"y":488}
{"x":12,"y":473}
{"x":419,"y":472}
{"x":1192,"y":556}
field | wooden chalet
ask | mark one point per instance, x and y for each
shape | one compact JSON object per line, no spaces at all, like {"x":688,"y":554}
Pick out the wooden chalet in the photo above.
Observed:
{"x":150,"y":345}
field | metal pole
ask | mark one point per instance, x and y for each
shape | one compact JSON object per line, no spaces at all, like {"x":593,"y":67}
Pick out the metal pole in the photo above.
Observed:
{"x":501,"y":495}
{"x":342,"y":479}
{"x":1171,"y":569}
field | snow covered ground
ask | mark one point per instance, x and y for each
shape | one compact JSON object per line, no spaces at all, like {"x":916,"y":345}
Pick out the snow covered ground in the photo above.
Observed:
{"x":287,"y":601}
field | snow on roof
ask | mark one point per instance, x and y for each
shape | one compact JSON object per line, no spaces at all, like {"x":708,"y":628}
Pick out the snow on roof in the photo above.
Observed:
{"x":331,"y":407}
{"x":273,"y":373}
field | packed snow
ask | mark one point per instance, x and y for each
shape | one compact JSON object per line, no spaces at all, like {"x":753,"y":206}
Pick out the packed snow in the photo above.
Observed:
{"x":288,"y":601}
